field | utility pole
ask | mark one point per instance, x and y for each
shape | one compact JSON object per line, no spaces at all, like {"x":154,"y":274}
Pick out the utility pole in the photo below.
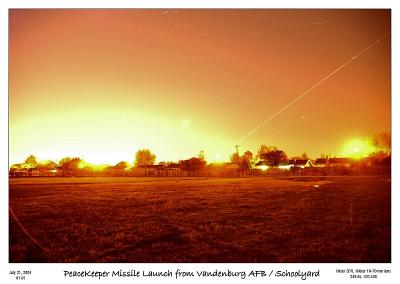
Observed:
{"x":237,"y":150}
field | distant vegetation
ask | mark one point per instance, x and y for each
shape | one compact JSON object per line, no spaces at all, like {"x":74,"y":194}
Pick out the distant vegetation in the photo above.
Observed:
{"x":271,"y":157}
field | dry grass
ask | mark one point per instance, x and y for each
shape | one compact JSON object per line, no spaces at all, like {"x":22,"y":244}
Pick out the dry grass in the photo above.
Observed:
{"x":327,"y":219}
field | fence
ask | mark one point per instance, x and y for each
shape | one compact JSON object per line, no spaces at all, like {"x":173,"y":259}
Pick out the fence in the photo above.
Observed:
{"x":218,"y":172}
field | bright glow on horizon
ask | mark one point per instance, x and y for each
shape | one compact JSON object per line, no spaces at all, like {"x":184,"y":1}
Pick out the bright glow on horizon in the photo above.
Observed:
{"x":357,"y":148}
{"x":95,"y":167}
{"x":100,"y":136}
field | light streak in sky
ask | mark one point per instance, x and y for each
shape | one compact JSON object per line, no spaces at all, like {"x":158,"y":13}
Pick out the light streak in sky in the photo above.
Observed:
{"x":311,"y":88}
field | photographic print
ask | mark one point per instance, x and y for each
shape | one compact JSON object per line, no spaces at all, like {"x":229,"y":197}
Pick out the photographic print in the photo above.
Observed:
{"x":199,"y":135}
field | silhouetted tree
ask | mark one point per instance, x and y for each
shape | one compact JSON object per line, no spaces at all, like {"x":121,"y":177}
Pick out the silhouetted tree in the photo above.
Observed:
{"x":17,"y":166}
{"x":382,"y":149}
{"x":115,"y":170}
{"x":382,"y":142}
{"x":248,"y":156}
{"x":121,"y":165}
{"x":304,"y":156}
{"x":274,"y":157}
{"x":244,"y":164}
{"x":235,"y":158}
{"x":192,"y":165}
{"x":47,"y":165}
{"x":31,"y":162}
{"x":246,"y":161}
{"x":201,"y":155}
{"x":69,"y":166}
{"x":144,"y":158}
{"x":264,"y":149}
{"x":64,"y":165}
{"x":325,"y":156}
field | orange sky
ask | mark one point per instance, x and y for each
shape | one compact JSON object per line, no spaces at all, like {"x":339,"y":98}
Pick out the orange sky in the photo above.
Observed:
{"x":101,"y":84}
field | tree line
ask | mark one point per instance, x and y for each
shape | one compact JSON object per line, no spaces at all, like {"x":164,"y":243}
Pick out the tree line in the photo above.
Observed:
{"x":144,"y":158}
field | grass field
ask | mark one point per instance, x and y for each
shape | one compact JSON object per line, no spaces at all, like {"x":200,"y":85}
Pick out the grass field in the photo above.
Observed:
{"x":313,"y":219}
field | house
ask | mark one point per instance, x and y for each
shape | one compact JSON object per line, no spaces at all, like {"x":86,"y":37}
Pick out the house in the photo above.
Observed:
{"x":301,"y":163}
{"x":142,"y":170}
{"x":230,"y":166}
{"x":29,"y":172}
{"x":285,"y":165}
{"x":116,"y":171}
{"x":320,"y":162}
{"x":333,"y":162}
{"x":169,"y":170}
{"x":340,"y":162}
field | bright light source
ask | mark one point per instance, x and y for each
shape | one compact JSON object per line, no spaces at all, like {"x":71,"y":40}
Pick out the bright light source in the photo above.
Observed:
{"x":264,"y":167}
{"x":285,"y":167}
{"x":357,"y":148}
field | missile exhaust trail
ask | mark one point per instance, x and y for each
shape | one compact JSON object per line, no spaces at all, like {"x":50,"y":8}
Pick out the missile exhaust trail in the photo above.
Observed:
{"x":311,"y":88}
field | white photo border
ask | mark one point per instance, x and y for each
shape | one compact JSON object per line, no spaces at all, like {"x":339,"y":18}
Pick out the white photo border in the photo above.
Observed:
{"x":49,"y":273}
